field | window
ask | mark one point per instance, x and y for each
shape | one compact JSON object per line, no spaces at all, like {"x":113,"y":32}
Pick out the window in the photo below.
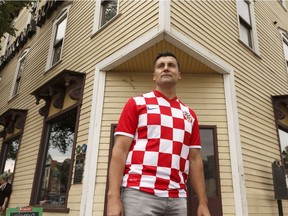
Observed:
{"x":11,"y":150}
{"x":20,"y":69}
{"x":58,"y":156}
{"x":280,"y":106}
{"x":58,"y":40}
{"x":285,"y":47}
{"x":247,"y":24}
{"x":58,"y":35}
{"x":13,"y":122}
{"x":53,"y":175}
{"x":105,"y":11}
{"x":108,"y":10}
{"x":283,"y":139}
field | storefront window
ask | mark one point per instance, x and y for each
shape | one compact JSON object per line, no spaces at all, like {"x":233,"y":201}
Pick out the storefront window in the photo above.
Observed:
{"x":12,"y":147}
{"x":54,"y":184}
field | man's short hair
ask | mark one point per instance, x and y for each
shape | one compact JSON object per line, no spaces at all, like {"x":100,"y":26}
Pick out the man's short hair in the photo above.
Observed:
{"x":165,"y":54}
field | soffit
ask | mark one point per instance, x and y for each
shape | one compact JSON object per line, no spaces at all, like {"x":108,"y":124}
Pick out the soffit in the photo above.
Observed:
{"x":143,"y":62}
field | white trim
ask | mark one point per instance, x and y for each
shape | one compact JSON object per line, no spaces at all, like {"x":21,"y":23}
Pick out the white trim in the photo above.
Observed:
{"x":89,"y":179}
{"x":239,"y":189}
{"x":254,"y":29}
{"x":164,"y":14}
{"x":97,"y":15}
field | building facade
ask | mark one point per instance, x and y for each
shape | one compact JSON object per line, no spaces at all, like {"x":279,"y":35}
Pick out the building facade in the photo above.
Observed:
{"x":66,"y":75}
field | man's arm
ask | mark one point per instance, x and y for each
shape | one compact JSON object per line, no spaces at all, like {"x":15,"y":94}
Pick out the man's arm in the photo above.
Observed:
{"x":116,"y":171}
{"x":197,"y":180}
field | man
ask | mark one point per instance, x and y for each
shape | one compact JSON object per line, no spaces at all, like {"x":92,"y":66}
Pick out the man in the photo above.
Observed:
{"x":157,"y":145}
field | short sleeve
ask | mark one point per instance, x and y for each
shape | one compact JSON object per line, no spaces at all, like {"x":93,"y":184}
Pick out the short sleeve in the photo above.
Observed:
{"x":128,"y":120}
{"x":195,"y":141}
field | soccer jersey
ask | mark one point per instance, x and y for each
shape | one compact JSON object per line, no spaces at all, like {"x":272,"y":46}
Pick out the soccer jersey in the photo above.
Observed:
{"x":163,"y":131}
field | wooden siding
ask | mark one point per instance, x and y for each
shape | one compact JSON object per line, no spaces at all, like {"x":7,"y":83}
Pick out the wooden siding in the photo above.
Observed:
{"x":214,"y":25}
{"x":203,"y":93}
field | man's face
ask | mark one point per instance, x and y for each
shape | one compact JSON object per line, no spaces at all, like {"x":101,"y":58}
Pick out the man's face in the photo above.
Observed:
{"x":166,"y":72}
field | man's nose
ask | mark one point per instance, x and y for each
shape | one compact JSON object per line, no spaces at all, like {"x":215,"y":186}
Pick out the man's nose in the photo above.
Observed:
{"x":166,"y":68}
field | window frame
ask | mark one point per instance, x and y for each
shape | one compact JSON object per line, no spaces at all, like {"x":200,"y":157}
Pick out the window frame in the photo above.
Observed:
{"x":11,"y":117}
{"x":18,"y":74}
{"x":254,"y":46}
{"x":40,"y":167}
{"x":98,"y":15}
{"x":4,"y":152}
{"x":64,"y":14}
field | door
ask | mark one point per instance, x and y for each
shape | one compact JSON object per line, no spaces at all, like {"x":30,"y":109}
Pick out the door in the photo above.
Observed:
{"x":211,"y":170}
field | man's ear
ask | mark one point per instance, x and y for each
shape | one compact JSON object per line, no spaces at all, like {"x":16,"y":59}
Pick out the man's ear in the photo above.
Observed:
{"x":153,"y":76}
{"x":179,"y":77}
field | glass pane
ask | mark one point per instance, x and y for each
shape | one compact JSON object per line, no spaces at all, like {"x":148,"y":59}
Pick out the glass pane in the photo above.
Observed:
{"x":283,"y":137}
{"x":245,"y":35}
{"x":18,"y":78}
{"x":16,"y":87}
{"x":57,"y":53}
{"x":54,"y":186}
{"x":60,"y":31}
{"x":21,"y":67}
{"x":11,"y":154}
{"x":244,"y":11}
{"x":109,"y":10}
{"x":209,"y":163}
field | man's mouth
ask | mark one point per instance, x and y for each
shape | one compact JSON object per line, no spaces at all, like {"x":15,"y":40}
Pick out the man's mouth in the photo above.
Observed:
{"x":166,"y":75}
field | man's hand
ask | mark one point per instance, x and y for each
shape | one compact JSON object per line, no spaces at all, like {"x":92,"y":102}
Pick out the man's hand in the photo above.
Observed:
{"x":2,"y":208}
{"x":114,"y":207}
{"x":203,"y":210}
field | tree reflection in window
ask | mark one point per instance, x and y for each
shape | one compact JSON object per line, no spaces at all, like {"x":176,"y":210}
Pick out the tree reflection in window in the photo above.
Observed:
{"x":12,"y":147}
{"x":109,"y":10}
{"x":54,"y":188}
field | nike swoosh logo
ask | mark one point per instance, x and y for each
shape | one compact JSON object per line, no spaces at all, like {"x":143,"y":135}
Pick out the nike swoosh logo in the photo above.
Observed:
{"x":151,"y":108}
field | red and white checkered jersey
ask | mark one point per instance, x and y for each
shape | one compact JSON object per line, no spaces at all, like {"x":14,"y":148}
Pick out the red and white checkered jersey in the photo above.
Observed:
{"x":163,"y":130}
